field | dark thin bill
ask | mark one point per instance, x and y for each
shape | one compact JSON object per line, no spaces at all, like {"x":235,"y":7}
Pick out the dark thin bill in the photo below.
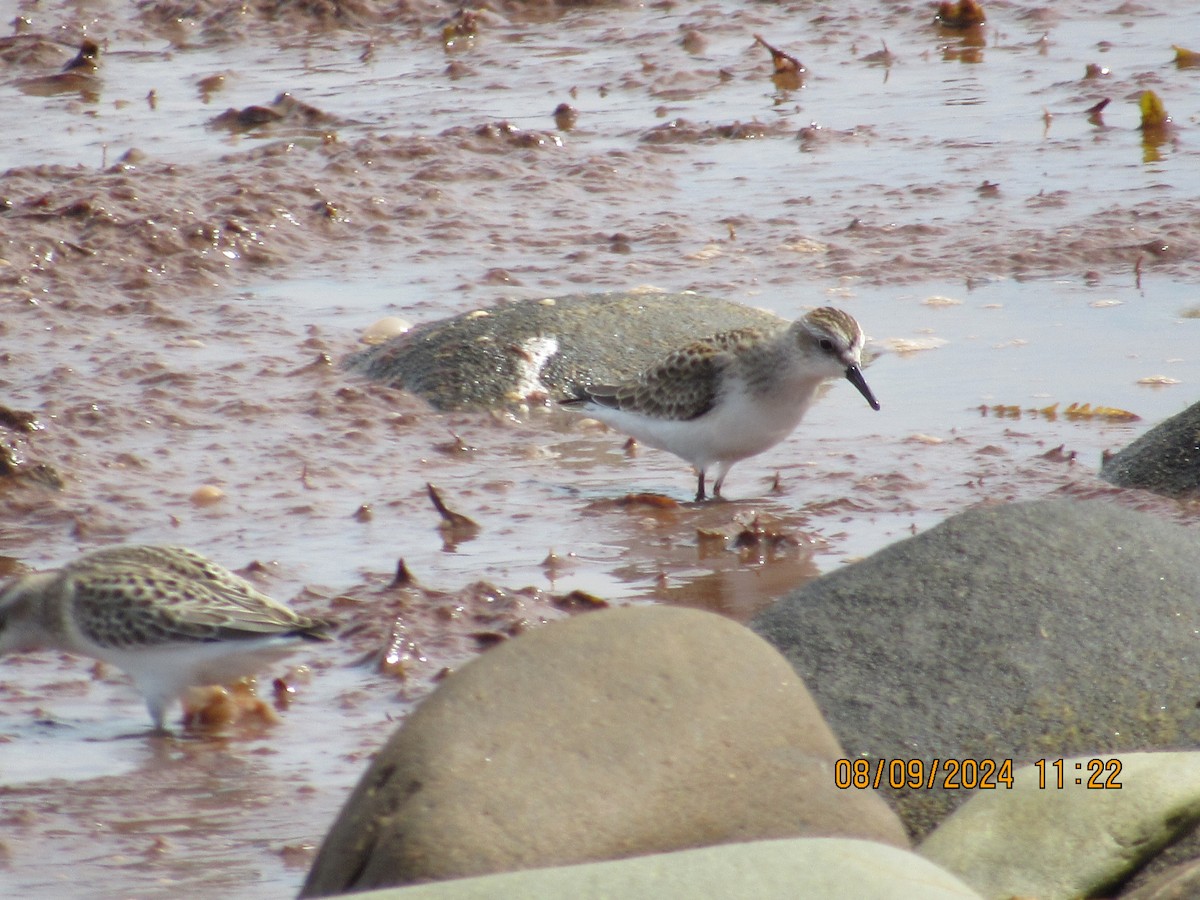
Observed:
{"x":855,"y":377}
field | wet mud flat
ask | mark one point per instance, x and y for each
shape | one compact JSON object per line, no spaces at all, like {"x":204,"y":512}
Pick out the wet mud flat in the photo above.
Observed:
{"x":179,"y":285}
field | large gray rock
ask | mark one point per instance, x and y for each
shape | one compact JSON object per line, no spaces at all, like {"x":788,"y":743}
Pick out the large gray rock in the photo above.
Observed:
{"x":1052,"y":628}
{"x":1166,"y":459}
{"x":618,"y":733}
{"x":1080,"y":839}
{"x":811,"y":868}
{"x":509,"y":352}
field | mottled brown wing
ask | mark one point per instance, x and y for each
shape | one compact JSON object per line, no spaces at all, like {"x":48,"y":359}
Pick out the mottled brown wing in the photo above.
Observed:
{"x":685,"y":385}
{"x":135,"y":604}
{"x":121,"y":606}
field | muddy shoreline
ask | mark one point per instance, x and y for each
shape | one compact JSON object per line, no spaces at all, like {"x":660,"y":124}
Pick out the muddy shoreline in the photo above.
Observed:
{"x":179,"y":287}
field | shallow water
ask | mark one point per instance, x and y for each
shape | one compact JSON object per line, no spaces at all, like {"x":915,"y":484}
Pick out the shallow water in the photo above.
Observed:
{"x":175,"y":321}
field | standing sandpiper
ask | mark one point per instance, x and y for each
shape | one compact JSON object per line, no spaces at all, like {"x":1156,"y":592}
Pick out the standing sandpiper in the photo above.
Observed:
{"x":732,"y":395}
{"x":166,"y":616}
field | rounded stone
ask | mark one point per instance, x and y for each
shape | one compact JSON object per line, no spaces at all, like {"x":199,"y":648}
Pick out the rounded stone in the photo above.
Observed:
{"x":1076,"y":829}
{"x":762,"y":870}
{"x":617,"y":733}
{"x":1008,"y":632}
{"x":1166,"y":459}
{"x":508,"y":353}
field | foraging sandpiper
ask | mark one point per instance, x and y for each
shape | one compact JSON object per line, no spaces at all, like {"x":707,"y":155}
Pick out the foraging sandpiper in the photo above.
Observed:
{"x":727,"y":397}
{"x":166,"y":616}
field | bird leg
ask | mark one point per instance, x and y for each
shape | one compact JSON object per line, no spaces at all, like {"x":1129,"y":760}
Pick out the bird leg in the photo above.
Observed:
{"x":700,"y":495}
{"x":722,"y":471}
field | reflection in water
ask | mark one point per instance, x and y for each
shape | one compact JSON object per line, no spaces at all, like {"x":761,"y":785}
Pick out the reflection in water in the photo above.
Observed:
{"x":86,"y":85}
{"x":79,"y":76}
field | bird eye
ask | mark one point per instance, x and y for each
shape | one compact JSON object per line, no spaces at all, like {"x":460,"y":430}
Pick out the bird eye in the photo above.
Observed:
{"x":825,"y":344}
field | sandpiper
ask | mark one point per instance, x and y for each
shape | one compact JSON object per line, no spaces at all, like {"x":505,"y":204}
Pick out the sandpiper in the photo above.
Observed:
{"x":168,"y":617}
{"x":727,"y":397}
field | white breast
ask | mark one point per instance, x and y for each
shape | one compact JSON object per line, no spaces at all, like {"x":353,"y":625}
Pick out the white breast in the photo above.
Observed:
{"x":739,"y":426}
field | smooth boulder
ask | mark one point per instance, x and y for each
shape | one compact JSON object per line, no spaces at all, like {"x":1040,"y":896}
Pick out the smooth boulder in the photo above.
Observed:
{"x":531,"y":349}
{"x":1008,"y":632}
{"x":1165,"y":460}
{"x":831,"y":868}
{"x":1075,"y":829}
{"x":617,"y":733}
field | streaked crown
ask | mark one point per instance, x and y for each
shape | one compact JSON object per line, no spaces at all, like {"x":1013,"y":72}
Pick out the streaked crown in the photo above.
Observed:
{"x":835,"y":325}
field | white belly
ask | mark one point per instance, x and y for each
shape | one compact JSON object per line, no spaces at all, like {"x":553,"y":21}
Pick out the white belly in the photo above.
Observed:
{"x":740,"y":426}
